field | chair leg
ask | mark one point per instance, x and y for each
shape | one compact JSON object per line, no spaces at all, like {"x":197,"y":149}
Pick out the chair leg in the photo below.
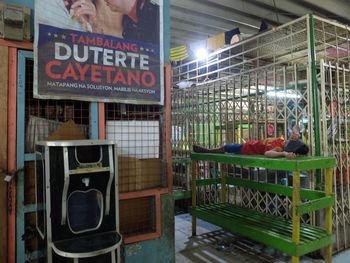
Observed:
{"x":194,"y":226}
{"x":113,"y":257}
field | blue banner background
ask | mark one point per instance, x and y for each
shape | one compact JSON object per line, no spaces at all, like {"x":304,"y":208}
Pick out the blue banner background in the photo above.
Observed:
{"x":86,"y":86}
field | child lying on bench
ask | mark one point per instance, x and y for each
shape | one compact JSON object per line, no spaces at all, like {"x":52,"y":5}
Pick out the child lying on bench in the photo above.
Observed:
{"x":270,"y":147}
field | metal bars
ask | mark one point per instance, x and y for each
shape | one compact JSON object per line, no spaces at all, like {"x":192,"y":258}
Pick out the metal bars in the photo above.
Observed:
{"x":335,"y":140}
{"x":285,"y":43}
{"x":261,"y":87}
{"x":240,"y":108}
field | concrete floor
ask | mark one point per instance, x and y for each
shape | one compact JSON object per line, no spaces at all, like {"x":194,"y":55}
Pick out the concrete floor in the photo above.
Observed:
{"x":214,"y":245}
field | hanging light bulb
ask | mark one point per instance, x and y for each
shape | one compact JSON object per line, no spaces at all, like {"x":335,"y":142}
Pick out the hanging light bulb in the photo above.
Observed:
{"x":201,"y":53}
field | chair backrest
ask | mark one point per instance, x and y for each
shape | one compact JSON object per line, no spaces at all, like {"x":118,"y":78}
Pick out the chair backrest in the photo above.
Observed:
{"x":82,"y":183}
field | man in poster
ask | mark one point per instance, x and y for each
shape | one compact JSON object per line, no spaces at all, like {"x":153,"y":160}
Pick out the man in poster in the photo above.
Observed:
{"x":106,"y":50}
{"x":136,"y":21}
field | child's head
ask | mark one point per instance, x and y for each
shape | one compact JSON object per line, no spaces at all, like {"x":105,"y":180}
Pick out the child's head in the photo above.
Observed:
{"x":297,"y":147}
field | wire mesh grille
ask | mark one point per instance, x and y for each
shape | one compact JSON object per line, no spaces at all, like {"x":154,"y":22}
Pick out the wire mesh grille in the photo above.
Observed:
{"x":335,"y":95}
{"x":332,"y":41}
{"x":32,"y":244}
{"x":139,"y":130}
{"x":138,"y":216}
{"x":285,"y":44}
{"x":45,"y":117}
{"x":256,"y":105}
{"x":261,"y":88}
{"x":264,"y":202}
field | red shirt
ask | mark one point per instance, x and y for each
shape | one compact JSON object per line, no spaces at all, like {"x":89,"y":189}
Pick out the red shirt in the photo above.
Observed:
{"x":261,"y":146}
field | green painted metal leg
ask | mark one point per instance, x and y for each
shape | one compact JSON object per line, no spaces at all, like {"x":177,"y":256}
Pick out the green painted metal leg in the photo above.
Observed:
{"x":194,"y":195}
{"x":295,"y":259}
{"x":328,"y":190}
{"x":328,"y":254}
{"x":295,"y":216}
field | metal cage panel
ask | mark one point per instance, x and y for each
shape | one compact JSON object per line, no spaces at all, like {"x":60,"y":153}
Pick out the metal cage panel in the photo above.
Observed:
{"x":261,"y":87}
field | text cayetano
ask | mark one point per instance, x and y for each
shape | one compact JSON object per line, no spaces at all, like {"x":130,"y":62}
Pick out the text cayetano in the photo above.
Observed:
{"x":100,"y":65}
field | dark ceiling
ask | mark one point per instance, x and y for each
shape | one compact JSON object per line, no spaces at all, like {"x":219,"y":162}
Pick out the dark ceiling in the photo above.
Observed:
{"x":195,"y":20}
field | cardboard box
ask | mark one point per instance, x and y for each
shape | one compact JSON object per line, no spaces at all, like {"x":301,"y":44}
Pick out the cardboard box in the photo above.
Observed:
{"x":138,"y":174}
{"x":128,"y":168}
{"x":151,"y":174}
{"x":68,"y":131}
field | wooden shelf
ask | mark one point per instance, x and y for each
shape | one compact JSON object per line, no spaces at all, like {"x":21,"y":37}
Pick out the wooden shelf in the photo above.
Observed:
{"x":156,"y":193}
{"x":17,"y":44}
{"x":143,"y":193}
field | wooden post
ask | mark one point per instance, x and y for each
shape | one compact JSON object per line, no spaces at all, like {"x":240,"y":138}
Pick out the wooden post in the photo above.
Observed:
{"x":194,"y":195}
{"x":3,"y":152}
{"x":101,"y":121}
{"x":328,"y":191}
{"x":167,"y":94}
{"x":295,"y":216}
{"x":11,"y":152}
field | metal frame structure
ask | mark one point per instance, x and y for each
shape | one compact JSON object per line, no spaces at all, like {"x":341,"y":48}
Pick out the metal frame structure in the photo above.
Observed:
{"x":289,"y":236}
{"x":21,"y":209}
{"x":297,"y":73}
{"x":16,"y":251}
{"x":18,"y":92}
{"x":22,"y":157}
{"x":112,"y":169}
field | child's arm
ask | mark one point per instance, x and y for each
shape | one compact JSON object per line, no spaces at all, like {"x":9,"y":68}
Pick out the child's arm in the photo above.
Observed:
{"x":275,"y":153}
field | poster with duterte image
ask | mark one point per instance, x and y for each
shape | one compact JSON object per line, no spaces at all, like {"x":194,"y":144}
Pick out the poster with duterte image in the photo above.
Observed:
{"x":99,"y":50}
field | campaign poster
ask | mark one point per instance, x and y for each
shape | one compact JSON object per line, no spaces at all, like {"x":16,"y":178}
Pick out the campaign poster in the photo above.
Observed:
{"x":99,"y":50}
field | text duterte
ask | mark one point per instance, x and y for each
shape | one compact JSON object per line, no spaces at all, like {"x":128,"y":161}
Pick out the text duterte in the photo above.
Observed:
{"x":108,"y":65}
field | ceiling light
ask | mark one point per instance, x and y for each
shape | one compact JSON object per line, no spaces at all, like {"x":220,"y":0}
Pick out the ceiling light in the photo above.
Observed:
{"x":201,"y":53}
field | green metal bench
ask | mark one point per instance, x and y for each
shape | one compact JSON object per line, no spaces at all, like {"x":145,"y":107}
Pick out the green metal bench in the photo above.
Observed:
{"x":287,"y":235}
